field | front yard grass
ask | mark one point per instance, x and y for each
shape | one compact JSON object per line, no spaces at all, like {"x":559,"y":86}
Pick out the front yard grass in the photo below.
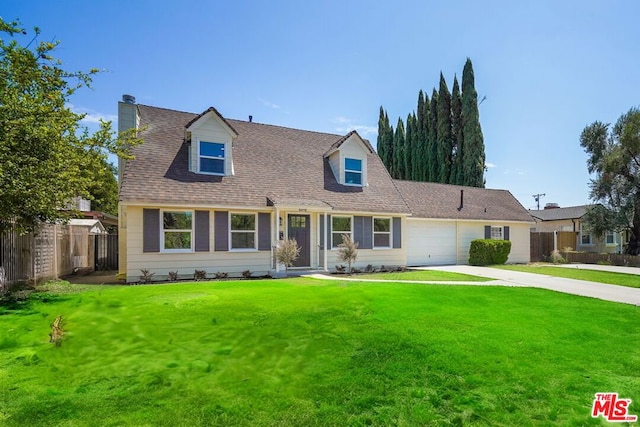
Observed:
{"x":424,"y":276}
{"x":622,"y":279}
{"x":310,"y":352}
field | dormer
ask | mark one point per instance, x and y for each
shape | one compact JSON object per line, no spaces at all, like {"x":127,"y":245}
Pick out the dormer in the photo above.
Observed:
{"x":348,"y":159}
{"x":211,"y":144}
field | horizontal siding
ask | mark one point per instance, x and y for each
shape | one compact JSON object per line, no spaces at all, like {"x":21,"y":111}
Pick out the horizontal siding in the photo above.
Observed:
{"x":230,"y":262}
{"x":519,"y":235}
{"x":375,"y":257}
{"x":430,"y":242}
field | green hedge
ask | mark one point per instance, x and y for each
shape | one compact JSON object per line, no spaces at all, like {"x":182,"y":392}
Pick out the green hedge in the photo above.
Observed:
{"x":489,"y":252}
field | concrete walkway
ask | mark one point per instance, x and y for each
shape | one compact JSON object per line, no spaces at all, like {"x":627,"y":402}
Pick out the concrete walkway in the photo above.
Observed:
{"x":500,"y":277}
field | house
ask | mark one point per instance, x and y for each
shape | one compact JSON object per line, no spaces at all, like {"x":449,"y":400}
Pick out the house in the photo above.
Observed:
{"x":210,"y":193}
{"x":93,"y":226}
{"x":446,"y":218}
{"x":570,"y":219}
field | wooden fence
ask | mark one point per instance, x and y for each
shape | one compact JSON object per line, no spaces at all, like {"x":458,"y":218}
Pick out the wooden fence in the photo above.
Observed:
{"x":51,"y":252}
{"x":544,"y":242}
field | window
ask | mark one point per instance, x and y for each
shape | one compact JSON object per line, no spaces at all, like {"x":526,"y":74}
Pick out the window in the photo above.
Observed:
{"x":243,"y":231}
{"x":339,"y":225}
{"x":585,"y":236}
{"x":496,"y":233}
{"x":211,"y":158}
{"x":176,"y":231}
{"x":381,"y":232}
{"x":352,"y":171}
{"x":610,"y":238}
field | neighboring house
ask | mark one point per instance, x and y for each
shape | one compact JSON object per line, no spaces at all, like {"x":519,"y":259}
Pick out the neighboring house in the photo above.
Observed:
{"x":208,"y":193}
{"x":570,"y":219}
{"x":93,"y":226}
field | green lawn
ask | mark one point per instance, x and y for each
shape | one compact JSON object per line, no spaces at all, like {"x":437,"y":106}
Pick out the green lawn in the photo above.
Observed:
{"x":582,"y":273}
{"x":308,"y":352}
{"x":423,"y":275}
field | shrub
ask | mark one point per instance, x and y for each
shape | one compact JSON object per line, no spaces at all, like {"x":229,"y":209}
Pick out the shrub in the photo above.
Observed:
{"x":147,"y":276}
{"x":247,"y":274}
{"x":340,"y":268}
{"x":347,"y":251}
{"x":173,"y":276}
{"x":556,"y":258}
{"x":199,"y":275}
{"x":287,"y":252}
{"x":489,"y":251}
{"x":369,"y":268}
{"x":221,"y":275}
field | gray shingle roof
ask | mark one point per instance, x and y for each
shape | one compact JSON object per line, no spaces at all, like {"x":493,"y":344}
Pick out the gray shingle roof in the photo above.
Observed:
{"x":442,"y":201}
{"x":283,"y":165}
{"x":555,"y":214}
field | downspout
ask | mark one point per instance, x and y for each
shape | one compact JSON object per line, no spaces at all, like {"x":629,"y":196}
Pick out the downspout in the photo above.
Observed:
{"x":276,"y":236}
{"x":326,"y":244}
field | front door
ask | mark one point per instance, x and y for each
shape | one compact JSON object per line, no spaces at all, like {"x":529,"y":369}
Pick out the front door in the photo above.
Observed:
{"x":300,"y":229}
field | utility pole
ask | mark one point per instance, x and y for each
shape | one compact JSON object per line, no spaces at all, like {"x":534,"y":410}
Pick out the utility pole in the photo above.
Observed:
{"x":536,"y":197}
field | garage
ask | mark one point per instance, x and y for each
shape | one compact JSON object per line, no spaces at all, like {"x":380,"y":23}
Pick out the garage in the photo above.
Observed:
{"x":430,"y":242}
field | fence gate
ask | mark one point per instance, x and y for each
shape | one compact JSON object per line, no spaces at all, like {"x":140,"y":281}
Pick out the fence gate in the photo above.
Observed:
{"x":106,"y":252}
{"x":541,"y":245}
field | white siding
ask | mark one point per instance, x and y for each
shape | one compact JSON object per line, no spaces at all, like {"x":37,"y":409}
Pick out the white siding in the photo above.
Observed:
{"x":212,"y":130}
{"x":353,"y":149}
{"x":519,"y":235}
{"x":430,"y":242}
{"x":375,"y":257}
{"x":234,"y":263}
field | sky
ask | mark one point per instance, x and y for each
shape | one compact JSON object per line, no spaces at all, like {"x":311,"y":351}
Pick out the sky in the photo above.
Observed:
{"x":547,"y":68}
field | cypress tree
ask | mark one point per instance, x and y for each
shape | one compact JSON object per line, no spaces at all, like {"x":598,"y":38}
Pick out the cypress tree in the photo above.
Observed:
{"x":473,"y":154}
{"x":432,"y":152}
{"x":419,"y":152}
{"x":456,"y":130}
{"x":444,"y":138}
{"x":411,"y":148}
{"x":388,"y":138}
{"x":382,"y":132}
{"x":398,"y":171}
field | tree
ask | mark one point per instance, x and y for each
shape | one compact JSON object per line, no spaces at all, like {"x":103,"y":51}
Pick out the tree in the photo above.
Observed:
{"x":397,"y":170}
{"x":382,"y":147}
{"x":614,"y":158}
{"x":287,"y":252}
{"x":103,"y":185}
{"x":43,"y":149}
{"x":410,"y":152}
{"x":347,"y":251}
{"x":457,"y":175}
{"x":422,"y":120}
{"x":473,"y":153}
{"x":444,"y":139}
{"x":432,"y":144}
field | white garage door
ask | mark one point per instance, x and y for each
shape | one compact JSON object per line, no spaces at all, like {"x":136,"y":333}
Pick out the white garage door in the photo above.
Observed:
{"x":430,"y":242}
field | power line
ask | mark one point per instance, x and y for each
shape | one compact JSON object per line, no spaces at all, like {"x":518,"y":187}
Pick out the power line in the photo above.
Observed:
{"x":536,"y":197}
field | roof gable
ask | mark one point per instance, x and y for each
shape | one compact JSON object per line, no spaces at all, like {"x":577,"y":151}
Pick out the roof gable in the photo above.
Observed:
{"x":207,"y":115}
{"x":354,"y":137}
{"x":557,"y":214}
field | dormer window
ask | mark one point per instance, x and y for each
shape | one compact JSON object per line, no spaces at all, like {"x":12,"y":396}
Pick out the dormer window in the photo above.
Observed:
{"x":352,"y":171}
{"x":211,"y":158}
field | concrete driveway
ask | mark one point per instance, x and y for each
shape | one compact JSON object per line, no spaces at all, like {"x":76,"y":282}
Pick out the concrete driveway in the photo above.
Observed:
{"x":601,"y":291}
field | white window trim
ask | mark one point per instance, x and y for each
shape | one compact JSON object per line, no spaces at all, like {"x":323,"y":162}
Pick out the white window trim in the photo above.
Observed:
{"x":335,"y":248}
{"x":583,"y":233}
{"x":255,"y":233}
{"x":224,"y":159}
{"x":615,"y":240}
{"x":501,"y":232}
{"x":373,"y":233}
{"x":162,"y":231}
{"x":361,"y":171}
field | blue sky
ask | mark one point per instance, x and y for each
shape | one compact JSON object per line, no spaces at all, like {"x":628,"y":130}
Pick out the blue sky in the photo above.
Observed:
{"x":547,"y":68}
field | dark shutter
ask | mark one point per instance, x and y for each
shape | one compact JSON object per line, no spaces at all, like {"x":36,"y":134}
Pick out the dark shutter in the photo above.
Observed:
{"x":363,"y":231}
{"x":202,"y":231}
{"x":397,"y":233}
{"x":487,"y":231}
{"x":505,"y":232}
{"x":329,"y":231}
{"x":321,"y":239}
{"x":221,"y":224}
{"x":151,"y":230}
{"x":264,"y":231}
